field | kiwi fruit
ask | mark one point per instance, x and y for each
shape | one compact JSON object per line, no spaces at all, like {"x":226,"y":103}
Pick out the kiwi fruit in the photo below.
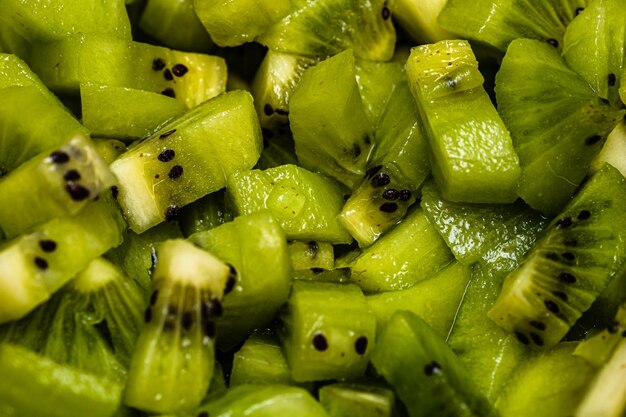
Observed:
{"x":597,"y":349}
{"x":419,"y":20}
{"x":173,"y":362}
{"x":613,"y":151}
{"x":206,"y":213}
{"x":260,"y":361}
{"x":109,"y":149}
{"x":345,"y":400}
{"x":311,"y":254}
{"x":582,"y":249}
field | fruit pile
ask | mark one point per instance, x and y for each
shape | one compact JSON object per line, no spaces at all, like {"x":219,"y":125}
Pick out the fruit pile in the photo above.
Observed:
{"x":312,"y":208}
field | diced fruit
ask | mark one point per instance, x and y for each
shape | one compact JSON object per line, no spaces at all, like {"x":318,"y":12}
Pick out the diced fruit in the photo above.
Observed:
{"x":328,"y":331}
{"x":311,"y":254}
{"x":613,"y":151}
{"x":187,"y":159}
{"x":419,"y":19}
{"x":347,"y":400}
{"x":109,"y":149}
{"x":473,"y":156}
{"x":305,"y":204}
{"x":260,"y":361}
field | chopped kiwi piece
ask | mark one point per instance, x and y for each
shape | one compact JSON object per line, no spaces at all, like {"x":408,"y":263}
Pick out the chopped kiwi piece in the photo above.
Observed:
{"x":260,"y":361}
{"x":174,"y":23}
{"x":424,"y":372}
{"x":549,"y":384}
{"x":53,"y":184}
{"x":23,"y":24}
{"x":473,"y":156}
{"x":347,"y":400}
{"x":326,"y":27}
{"x":304,"y":203}
{"x":35,"y":265}
{"x":594,"y":47}
{"x":419,"y":20}
{"x":328,"y":331}
{"x":136,"y":256}
{"x":336,"y":275}
{"x":109,"y":149}
{"x":606,"y":395}
{"x":256,"y":247}
{"x":273,"y":86}
{"x":191,"y":78}
{"x":204,"y":214}
{"x":58,"y":390}
{"x":597,"y":350}
{"x":471,"y":230}
{"x":330,"y":127}
{"x":262,"y":400}
{"x":186,"y":159}
{"x":436,"y":300}
{"x":173,"y":362}
{"x":311,"y":254}
{"x":613,"y":151}
{"x":569,"y":266}
{"x":234,"y":22}
{"x":15,"y":72}
{"x":497,"y":23}
{"x":20,"y":138}
{"x":377,"y":82}
{"x":408,"y":254}
{"x":125,"y":113}
{"x":557,"y":122}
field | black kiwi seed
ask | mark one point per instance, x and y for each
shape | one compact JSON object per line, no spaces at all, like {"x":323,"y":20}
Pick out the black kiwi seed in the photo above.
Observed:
{"x":552,"y":306}
{"x":166,"y":134}
{"x":536,"y":338}
{"x":386,"y":13}
{"x":553,"y":42}
{"x":579,"y":10}
{"x":522,"y":338}
{"x":388,"y":207}
{"x":175,"y":172}
{"x":317,"y":271}
{"x":179,"y":70}
{"x":167,"y":155}
{"x":356,"y":150}
{"x":360,"y":346}
{"x":568,"y":256}
{"x":41,"y":263}
{"x":187,"y":320}
{"x":209,"y":329}
{"x":372,"y":171}
{"x":203,"y":414}
{"x":115,"y":191}
{"x":593,"y":140}
{"x":405,"y":195}
{"x":230,"y":285}
{"x":432,"y":369}
{"x":584,"y":215}
{"x":612,"y":80}
{"x":59,"y":157}
{"x":319,"y":342}
{"x":313,"y":248}
{"x":48,"y":245}
{"x":567,"y":278}
{"x":560,"y":294}
{"x":624,"y":333}
{"x":77,"y":192}
{"x":71,"y":175}
{"x":169,"y":92}
{"x":154,"y":297}
{"x":268,"y":110}
{"x":216,"y":307}
{"x":380,"y":180}
{"x":158,"y":64}
{"x":613,"y":328}
{"x":564,"y":223}
{"x":171,"y":213}
{"x":391,"y":194}
{"x":168,"y":75}
{"x":147,"y":316}
{"x":538,"y":325}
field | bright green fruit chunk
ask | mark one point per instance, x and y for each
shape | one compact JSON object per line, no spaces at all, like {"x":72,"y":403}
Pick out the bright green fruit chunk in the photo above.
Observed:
{"x":377,"y":82}
{"x":15,"y":72}
{"x":329,"y":124}
{"x":347,"y":400}
{"x":595,"y":47}
{"x":419,"y":19}
{"x":260,"y":361}
{"x":305,"y":204}
{"x":234,"y":22}
{"x":35,"y":386}
{"x":556,"y":121}
{"x":187,"y":159}
{"x":424,"y":372}
{"x":473,"y":156}
{"x":125,"y":113}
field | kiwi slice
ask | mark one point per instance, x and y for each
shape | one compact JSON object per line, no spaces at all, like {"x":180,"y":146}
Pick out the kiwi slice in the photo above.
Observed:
{"x":594,"y":47}
{"x":173,"y":362}
{"x":549,"y":384}
{"x":109,"y":149}
{"x":174,"y":23}
{"x":498,"y":23}
{"x":557,"y":122}
{"x":187,"y":159}
{"x":204,"y":214}
{"x":419,"y":20}
{"x":377,"y":82}
{"x":329,"y":125}
{"x":346,"y":400}
{"x":597,"y":350}
{"x":260,"y":361}
{"x":573,"y":262}
{"x":311,"y":254}
{"x":327,"y":27}
{"x":232,"y":23}
{"x":15,"y":72}
{"x":613,"y":151}
{"x":53,"y":184}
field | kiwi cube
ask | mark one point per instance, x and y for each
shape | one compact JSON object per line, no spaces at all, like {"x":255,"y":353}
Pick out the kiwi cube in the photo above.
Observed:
{"x":346,"y":400}
{"x":328,"y":331}
{"x":260,"y":361}
{"x":311,"y":254}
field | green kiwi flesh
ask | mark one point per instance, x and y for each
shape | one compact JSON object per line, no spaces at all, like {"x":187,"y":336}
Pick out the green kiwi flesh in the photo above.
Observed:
{"x":345,"y":400}
{"x":260,"y":361}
